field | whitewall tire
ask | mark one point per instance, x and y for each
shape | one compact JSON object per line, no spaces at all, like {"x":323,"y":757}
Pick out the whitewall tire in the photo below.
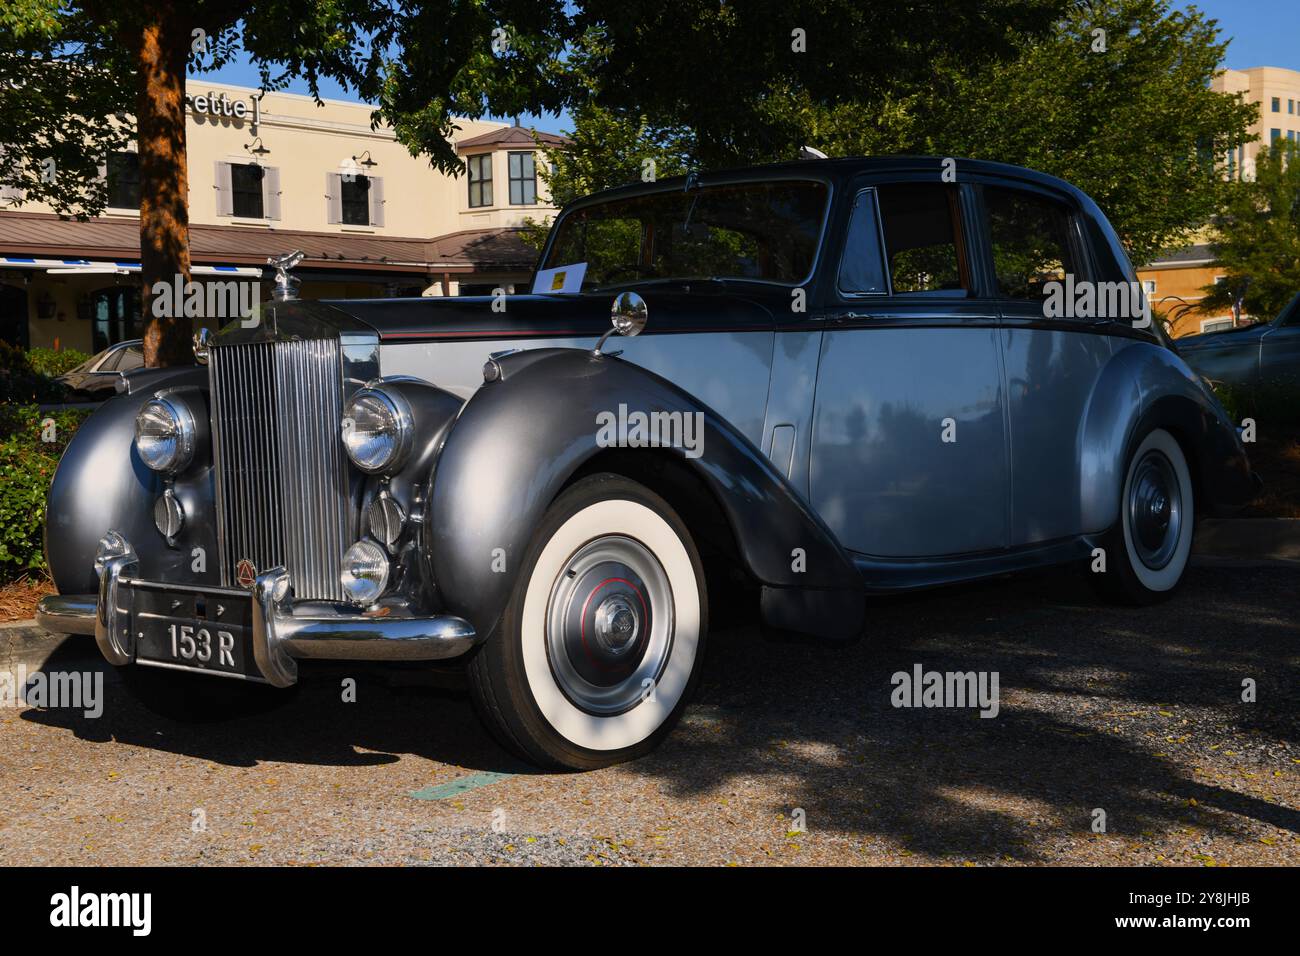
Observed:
{"x":1149,"y":551}
{"x":601,"y":642}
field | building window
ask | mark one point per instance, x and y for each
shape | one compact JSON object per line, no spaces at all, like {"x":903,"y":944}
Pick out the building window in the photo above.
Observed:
{"x":523,"y":180}
{"x":1274,"y":136}
{"x":1290,"y":107}
{"x":124,"y":180}
{"x":246,"y":190}
{"x":1277,"y":104}
{"x":480,"y":180}
{"x":355,"y":191}
{"x":114,"y":315}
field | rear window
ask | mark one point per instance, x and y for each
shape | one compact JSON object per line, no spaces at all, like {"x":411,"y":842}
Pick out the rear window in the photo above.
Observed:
{"x":1031,"y":242}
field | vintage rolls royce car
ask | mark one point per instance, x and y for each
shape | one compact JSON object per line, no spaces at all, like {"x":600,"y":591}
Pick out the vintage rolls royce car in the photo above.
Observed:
{"x":845,"y":382}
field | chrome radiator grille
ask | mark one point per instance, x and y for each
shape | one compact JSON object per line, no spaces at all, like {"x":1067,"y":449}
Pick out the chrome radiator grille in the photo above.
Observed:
{"x":281,"y":473}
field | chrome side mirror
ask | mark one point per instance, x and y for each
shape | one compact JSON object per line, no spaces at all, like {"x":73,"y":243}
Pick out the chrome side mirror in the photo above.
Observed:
{"x":628,"y":316}
{"x":202,"y":342}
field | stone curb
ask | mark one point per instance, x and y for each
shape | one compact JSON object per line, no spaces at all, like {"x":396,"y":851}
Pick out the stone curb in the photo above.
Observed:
{"x":22,"y":643}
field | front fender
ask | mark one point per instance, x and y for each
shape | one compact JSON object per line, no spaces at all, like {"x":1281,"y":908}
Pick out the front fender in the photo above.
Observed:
{"x":1144,"y":386}
{"x":518,"y":442}
{"x":101,"y":485}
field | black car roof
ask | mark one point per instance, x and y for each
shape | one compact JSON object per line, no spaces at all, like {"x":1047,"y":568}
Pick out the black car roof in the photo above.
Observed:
{"x":837,"y":170}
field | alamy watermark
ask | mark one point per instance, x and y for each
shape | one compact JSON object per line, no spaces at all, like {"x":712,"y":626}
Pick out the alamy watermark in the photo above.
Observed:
{"x":624,"y":429}
{"x":232,"y":299}
{"x":75,"y":908}
{"x":72,"y":690}
{"x":955,"y":689}
{"x":1084,"y":299}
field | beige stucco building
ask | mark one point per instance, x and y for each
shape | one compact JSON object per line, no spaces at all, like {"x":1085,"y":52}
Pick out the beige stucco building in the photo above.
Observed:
{"x":268,"y":174}
{"x":1277,"y":93}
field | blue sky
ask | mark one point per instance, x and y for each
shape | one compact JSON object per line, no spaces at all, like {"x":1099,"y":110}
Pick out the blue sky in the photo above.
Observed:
{"x":1263,"y":33}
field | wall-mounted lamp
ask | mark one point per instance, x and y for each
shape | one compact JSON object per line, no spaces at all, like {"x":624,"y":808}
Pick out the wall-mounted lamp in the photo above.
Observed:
{"x":256,"y":147}
{"x":365,"y":160}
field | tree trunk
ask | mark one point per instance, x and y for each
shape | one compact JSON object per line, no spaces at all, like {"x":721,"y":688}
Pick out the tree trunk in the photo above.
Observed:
{"x":164,"y":182}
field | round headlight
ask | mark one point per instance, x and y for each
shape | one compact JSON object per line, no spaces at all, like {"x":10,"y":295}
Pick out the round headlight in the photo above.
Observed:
{"x":377,"y":430}
{"x":164,"y":434}
{"x":365,"y":572}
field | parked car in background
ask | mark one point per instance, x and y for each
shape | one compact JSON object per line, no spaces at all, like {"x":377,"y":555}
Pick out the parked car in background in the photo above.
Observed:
{"x":1254,"y":358}
{"x":97,"y":378}
{"x":837,"y":378}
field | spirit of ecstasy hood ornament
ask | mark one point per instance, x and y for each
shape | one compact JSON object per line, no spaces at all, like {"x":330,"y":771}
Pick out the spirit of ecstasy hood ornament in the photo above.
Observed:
{"x":286,"y":286}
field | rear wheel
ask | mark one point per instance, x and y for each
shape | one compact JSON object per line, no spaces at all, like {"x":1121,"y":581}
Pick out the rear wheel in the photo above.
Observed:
{"x":600,"y":644}
{"x":1147,"y":554}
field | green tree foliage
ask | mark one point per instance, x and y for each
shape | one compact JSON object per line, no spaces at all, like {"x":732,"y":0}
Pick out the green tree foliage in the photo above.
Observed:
{"x":727,"y":70}
{"x":610,"y":148}
{"x":1126,"y":113}
{"x":63,"y":80}
{"x":1258,"y":236}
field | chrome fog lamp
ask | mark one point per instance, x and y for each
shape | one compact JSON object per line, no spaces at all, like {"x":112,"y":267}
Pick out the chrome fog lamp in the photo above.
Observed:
{"x":377,"y":430}
{"x":365,"y":573}
{"x":168,"y":515}
{"x":165,"y":434}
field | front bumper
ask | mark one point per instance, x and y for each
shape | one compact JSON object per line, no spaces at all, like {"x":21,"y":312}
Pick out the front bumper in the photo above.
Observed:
{"x":282,"y":633}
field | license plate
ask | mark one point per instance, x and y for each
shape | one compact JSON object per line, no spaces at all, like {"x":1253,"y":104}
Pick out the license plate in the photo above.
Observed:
{"x":209,"y":632}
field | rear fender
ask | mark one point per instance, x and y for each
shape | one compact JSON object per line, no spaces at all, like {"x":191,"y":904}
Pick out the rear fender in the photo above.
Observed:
{"x":1143,"y":387}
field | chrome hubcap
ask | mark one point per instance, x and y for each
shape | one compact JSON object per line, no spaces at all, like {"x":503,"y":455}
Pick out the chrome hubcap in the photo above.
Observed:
{"x":609,"y":625}
{"x":1155,"y":510}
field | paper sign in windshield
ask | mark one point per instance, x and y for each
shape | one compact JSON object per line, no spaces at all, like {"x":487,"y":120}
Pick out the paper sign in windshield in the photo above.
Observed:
{"x":561,"y":280}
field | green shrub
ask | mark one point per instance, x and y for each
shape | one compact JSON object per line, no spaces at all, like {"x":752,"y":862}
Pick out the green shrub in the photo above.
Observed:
{"x":1270,"y":404}
{"x":25,"y":476}
{"x":20,"y":382}
{"x":53,"y":364}
{"x":31,"y":442}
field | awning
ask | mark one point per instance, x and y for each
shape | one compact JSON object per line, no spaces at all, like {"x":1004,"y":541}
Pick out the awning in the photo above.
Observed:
{"x":91,"y":267}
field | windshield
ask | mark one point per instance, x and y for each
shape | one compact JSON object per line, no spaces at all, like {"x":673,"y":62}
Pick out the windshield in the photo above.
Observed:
{"x":763,"y":231}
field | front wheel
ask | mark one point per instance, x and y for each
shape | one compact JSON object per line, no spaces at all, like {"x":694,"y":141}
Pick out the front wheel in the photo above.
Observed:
{"x":600,"y":644}
{"x":1147,"y":553}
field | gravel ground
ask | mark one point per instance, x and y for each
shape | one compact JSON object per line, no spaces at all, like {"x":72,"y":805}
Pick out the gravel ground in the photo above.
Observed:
{"x":1134,"y":712}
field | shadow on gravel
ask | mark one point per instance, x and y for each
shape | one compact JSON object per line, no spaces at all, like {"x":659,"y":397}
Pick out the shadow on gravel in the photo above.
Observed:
{"x":396,"y":711}
{"x":1100,"y":708}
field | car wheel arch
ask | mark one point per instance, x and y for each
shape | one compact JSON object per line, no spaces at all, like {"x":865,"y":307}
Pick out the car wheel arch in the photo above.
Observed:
{"x":520,"y":441}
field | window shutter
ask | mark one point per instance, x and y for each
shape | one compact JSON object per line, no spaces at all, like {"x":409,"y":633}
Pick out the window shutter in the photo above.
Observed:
{"x":333,"y":198}
{"x":376,"y":201}
{"x":225,"y":198}
{"x":271,"y":191}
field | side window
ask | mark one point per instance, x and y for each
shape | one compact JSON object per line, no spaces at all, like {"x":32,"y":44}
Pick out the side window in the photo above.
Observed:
{"x":922,"y":239}
{"x":862,"y":267}
{"x":1031,"y":242}
{"x":132,"y":357}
